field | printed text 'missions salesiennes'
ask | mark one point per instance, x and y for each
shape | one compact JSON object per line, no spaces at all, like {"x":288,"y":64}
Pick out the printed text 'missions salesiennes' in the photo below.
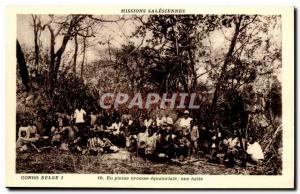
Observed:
{"x":153,"y":11}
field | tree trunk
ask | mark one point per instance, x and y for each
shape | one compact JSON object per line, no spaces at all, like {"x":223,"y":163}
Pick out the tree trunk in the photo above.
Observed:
{"x":228,"y":58}
{"x":22,"y":67}
{"x":51,"y":74}
{"x":36,"y":46}
{"x":109,"y":51}
{"x":75,"y":55}
{"x":55,"y":57}
{"x":83,"y":57}
{"x":194,"y":73}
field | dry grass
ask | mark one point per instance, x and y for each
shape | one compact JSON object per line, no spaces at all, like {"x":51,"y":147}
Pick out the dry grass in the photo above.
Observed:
{"x":54,"y":161}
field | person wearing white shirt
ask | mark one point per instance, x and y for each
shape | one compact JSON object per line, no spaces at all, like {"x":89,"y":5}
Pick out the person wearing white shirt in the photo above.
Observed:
{"x":254,"y":151}
{"x":79,"y":115}
{"x":116,"y":127}
{"x":24,"y":140}
{"x":185,"y":123}
{"x":147,"y":122}
{"x":24,"y":129}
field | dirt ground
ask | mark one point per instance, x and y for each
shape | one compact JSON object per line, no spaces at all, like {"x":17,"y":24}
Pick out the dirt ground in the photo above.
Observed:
{"x":55,"y":161}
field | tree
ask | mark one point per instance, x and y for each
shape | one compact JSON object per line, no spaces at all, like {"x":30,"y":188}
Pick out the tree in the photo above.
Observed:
{"x":237,"y":21}
{"x":175,"y":41}
{"x":243,"y":63}
{"x":23,"y":70}
{"x":37,"y":33}
{"x":69,"y":27}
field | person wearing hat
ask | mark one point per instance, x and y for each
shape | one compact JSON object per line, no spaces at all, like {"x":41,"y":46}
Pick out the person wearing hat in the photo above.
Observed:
{"x":185,"y":122}
{"x":169,"y":129}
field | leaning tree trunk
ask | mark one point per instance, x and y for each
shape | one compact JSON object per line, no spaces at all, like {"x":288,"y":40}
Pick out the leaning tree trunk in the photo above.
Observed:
{"x":23,"y":70}
{"x":227,"y":60}
{"x":75,"y":55}
{"x":83,"y":57}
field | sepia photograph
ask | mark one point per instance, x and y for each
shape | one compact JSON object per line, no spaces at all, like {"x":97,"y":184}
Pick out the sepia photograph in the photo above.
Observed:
{"x":149,"y":92}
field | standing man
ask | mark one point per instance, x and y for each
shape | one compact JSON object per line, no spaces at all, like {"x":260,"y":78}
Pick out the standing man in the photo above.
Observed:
{"x":79,"y":115}
{"x":185,"y":123}
{"x":194,"y":138}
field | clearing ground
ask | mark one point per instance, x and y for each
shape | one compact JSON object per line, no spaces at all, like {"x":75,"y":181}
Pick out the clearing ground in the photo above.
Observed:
{"x":56,"y":161}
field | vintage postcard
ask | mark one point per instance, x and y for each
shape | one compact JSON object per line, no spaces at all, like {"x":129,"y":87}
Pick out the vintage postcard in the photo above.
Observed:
{"x":150,"y":97}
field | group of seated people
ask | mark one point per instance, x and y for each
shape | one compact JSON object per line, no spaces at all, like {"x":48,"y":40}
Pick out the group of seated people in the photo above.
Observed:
{"x":156,"y":138}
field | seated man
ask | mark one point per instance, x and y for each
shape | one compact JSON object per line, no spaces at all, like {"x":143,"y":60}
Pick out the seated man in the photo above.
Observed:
{"x":39,"y":123}
{"x":254,"y":151}
{"x":233,"y":148}
{"x":116,"y":134}
{"x":150,"y":143}
{"x":170,"y":138}
{"x":95,"y":144}
{"x":66,"y":136}
{"x":159,"y":120}
{"x":24,"y":140}
{"x":148,"y":122}
{"x":93,"y":121}
{"x":24,"y":127}
{"x":204,"y":141}
{"x":57,"y":135}
{"x":135,"y":127}
{"x":72,"y":130}
{"x":213,"y":156}
{"x":33,"y":129}
{"x":181,"y":145}
{"x":126,"y":117}
{"x":141,"y":142}
{"x":162,"y":148}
